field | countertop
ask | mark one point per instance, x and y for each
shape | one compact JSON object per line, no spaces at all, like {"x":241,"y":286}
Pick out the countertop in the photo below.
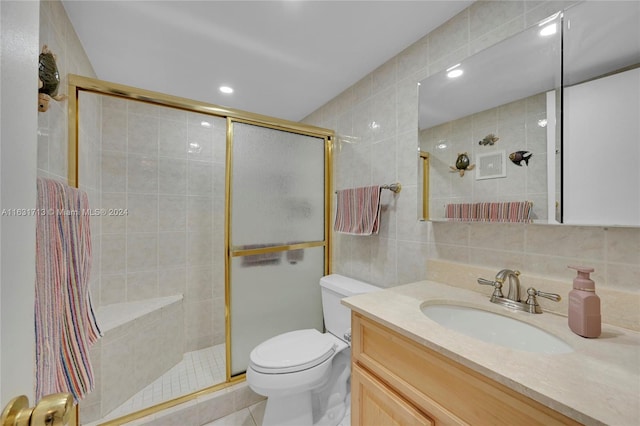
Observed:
{"x":597,"y":383}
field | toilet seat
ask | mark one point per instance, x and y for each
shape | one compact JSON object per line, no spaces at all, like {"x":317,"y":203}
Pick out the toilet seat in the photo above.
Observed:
{"x":293,"y":351}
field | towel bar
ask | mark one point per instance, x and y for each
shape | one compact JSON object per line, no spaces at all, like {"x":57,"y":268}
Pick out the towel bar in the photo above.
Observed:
{"x":394,"y":187}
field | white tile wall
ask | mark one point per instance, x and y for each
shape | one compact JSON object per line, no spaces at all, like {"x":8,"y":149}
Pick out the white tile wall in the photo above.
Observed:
{"x":159,"y":165}
{"x":388,"y":95}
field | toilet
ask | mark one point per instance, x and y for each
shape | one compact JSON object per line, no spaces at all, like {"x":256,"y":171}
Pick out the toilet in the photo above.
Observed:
{"x":305,"y":374}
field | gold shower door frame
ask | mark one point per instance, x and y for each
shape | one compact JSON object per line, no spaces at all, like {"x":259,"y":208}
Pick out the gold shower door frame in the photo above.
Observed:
{"x":424,"y":163}
{"x":78,"y":84}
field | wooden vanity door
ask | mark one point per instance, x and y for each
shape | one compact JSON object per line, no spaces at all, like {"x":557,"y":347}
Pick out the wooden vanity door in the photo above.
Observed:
{"x":375,"y":404}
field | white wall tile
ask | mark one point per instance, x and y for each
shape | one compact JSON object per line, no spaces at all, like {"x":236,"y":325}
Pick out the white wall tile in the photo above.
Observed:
{"x":142,"y":173}
{"x":485,"y":16}
{"x":172,"y":212}
{"x":172,"y":176}
{"x":142,"y":252}
{"x":536,"y":248}
{"x":142,"y":213}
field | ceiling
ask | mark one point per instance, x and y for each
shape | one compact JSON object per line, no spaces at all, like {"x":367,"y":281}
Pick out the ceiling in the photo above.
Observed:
{"x":283,"y":58}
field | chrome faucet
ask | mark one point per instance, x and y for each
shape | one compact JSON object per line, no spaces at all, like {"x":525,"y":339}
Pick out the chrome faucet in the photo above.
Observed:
{"x":513,"y":294}
{"x":514,"y":283}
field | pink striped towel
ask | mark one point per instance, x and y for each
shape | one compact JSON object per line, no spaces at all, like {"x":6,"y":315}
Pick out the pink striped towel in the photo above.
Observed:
{"x":515,"y":211}
{"x":65,"y":323}
{"x":358,"y":211}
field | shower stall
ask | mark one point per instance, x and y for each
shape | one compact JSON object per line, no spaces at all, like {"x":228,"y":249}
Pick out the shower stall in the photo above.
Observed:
{"x":211,"y":233}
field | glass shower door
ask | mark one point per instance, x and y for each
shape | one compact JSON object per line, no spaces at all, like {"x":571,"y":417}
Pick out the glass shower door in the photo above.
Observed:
{"x":277,"y":235}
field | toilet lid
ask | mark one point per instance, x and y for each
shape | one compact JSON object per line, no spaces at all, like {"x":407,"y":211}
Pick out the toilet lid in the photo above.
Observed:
{"x":293,"y":351}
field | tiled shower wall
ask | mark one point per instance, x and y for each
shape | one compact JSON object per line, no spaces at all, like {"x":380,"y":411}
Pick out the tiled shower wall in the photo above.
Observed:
{"x":164,"y":168}
{"x":366,"y":154}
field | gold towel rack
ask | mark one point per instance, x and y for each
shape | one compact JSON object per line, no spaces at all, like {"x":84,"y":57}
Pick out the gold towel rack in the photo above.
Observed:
{"x":393,"y":187}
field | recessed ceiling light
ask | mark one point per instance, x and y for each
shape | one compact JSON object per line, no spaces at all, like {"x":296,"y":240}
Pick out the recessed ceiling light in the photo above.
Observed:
{"x":548,"y":26}
{"x":226,"y":89}
{"x":548,"y":30}
{"x":455,"y":73}
{"x":205,"y":124}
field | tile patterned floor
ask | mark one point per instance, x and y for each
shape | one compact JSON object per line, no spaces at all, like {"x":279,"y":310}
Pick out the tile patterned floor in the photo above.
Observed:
{"x":197,"y":370}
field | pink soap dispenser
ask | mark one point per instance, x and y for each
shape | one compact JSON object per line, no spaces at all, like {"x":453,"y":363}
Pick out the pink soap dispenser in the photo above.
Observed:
{"x":584,"y":305}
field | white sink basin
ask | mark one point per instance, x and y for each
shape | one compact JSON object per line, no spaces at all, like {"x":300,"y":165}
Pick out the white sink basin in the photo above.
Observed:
{"x":494,"y":328}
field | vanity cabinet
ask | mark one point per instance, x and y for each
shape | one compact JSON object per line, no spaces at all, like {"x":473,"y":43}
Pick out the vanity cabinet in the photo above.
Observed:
{"x":380,"y":405}
{"x":396,"y":380}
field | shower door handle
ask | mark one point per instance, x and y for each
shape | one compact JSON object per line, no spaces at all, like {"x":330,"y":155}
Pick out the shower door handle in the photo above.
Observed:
{"x":52,"y":410}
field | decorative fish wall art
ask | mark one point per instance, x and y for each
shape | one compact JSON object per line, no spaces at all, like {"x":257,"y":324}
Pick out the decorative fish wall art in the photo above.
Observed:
{"x":519,"y":156}
{"x":462,"y":164}
{"x":490,"y":139}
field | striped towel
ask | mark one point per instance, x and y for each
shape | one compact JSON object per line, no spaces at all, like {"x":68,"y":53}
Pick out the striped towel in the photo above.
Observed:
{"x":517,"y":211}
{"x":65,"y":323}
{"x":358,"y":211}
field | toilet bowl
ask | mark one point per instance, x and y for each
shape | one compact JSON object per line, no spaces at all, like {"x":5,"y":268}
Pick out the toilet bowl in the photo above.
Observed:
{"x":305,"y":374}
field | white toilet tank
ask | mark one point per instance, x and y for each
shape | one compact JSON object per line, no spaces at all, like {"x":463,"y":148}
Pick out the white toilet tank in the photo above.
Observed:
{"x":337,"y":317}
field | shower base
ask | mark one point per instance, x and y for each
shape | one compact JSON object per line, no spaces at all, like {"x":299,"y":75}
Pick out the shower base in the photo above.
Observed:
{"x":197,"y":370}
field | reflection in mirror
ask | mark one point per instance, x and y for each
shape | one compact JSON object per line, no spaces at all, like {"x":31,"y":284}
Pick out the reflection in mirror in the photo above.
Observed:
{"x":486,"y":124}
{"x":601,"y":132}
{"x":423,"y":184}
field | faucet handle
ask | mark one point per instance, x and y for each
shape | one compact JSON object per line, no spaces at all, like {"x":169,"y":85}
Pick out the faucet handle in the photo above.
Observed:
{"x":497,"y":285}
{"x":485,"y":281}
{"x":551,"y":296}
{"x":534,"y":307}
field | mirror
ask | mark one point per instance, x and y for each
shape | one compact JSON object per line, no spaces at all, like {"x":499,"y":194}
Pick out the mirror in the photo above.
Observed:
{"x":486,"y":124}
{"x":601,"y":114}
{"x":518,"y":99}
